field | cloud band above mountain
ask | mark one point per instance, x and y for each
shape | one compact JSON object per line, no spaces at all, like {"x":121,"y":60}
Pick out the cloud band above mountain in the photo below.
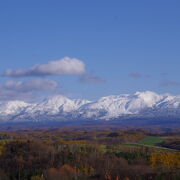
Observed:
{"x":64,"y":66}
{"x":21,"y":90}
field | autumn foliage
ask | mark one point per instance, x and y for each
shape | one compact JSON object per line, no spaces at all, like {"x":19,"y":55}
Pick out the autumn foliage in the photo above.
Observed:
{"x":78,"y":154}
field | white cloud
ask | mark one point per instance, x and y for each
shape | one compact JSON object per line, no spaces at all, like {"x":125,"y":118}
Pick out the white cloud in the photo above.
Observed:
{"x":31,"y":85}
{"x":63,"y":66}
{"x":21,"y":90}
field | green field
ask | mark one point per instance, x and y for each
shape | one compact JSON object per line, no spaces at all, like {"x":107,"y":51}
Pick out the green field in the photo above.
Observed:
{"x":155,"y":148}
{"x":151,"y":140}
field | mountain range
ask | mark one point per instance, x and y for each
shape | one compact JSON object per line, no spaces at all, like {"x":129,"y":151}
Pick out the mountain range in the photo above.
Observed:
{"x":116,"y":107}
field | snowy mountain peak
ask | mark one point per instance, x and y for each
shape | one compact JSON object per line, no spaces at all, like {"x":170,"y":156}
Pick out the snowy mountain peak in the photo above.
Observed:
{"x":12,"y":107}
{"x":56,"y":104}
{"x":109,"y":107}
{"x":149,"y":97}
{"x":56,"y":101}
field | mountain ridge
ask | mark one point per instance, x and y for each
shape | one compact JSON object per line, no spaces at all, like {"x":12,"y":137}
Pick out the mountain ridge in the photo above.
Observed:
{"x":61,"y":108}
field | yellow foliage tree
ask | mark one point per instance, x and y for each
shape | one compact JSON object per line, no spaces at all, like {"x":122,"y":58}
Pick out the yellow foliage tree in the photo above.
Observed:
{"x":166,"y":160}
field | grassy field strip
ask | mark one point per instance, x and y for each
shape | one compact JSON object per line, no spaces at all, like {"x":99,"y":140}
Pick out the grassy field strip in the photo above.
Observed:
{"x":150,"y":146}
{"x":151,"y":140}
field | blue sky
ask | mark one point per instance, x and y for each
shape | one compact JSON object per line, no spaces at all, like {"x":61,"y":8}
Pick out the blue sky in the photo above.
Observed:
{"x":126,"y":46}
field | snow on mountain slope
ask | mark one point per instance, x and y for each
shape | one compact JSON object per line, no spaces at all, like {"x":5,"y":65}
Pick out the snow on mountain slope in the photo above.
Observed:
{"x":114,"y":106}
{"x":170,"y":102}
{"x":12,"y":107}
{"x":55,"y":105}
{"x":63,"y":108}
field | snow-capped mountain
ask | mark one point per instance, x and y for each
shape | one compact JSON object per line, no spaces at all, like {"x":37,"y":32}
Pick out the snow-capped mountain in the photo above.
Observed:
{"x":12,"y":107}
{"x":56,"y":105}
{"x":58,"y":108}
{"x":115,"y":106}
